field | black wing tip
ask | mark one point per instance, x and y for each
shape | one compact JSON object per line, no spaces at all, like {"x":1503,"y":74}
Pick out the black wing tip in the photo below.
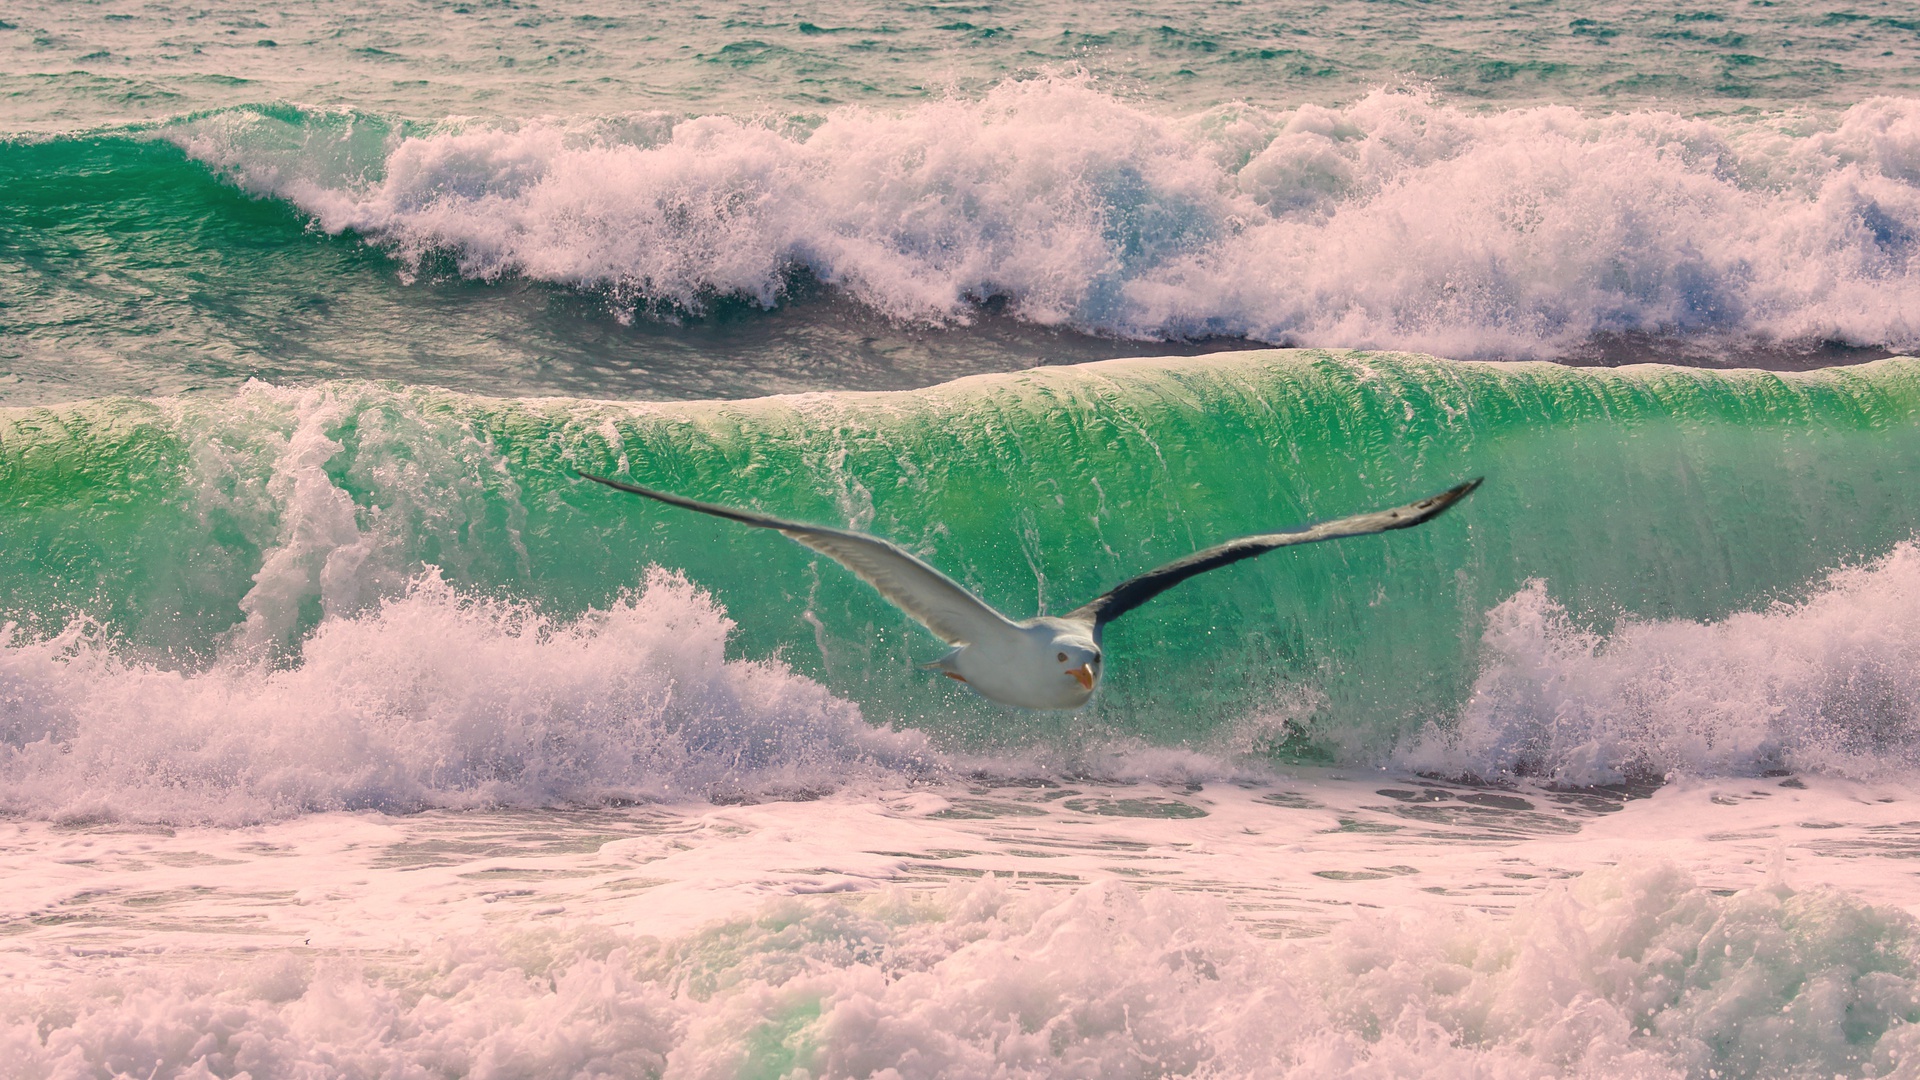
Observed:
{"x":744,"y":517}
{"x":622,"y":485}
{"x":1454,"y":494}
{"x":1425,"y":510}
{"x":664,"y":496}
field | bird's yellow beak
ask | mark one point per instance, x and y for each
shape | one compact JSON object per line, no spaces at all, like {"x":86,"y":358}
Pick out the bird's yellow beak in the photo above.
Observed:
{"x":1083,"y":675}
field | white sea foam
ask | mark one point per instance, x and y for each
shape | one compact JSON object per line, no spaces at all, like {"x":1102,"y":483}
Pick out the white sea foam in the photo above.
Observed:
{"x":1398,"y":221}
{"x":1829,"y":684}
{"x":432,"y":698}
{"x":439,"y":698}
{"x":1624,"y":973}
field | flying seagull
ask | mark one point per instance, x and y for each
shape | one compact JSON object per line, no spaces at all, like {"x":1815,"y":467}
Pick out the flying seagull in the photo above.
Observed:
{"x":1044,"y":662}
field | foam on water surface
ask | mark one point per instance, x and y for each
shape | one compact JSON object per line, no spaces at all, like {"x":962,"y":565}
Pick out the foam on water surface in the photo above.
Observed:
{"x":1308,"y":926}
{"x":249,"y":632}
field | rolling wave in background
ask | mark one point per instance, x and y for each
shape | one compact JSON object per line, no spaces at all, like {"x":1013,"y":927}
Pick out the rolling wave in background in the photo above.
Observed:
{"x":1668,"y":570}
{"x":1397,"y":221}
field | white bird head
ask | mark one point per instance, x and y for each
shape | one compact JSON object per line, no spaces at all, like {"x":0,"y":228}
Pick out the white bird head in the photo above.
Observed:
{"x":1079,"y":661}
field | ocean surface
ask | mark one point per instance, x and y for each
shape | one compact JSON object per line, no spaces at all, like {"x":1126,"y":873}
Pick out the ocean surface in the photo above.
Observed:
{"x":346,"y":732}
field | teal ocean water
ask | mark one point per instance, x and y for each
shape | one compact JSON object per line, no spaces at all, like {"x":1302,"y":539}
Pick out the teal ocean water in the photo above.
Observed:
{"x":345,"y":731}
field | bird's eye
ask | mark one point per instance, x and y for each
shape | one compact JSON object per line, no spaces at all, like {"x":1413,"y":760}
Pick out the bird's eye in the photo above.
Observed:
{"x":1063,"y":658}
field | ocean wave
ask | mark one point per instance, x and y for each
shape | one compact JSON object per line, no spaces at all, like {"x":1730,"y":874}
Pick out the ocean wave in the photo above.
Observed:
{"x":1398,"y":221}
{"x":431,"y":699}
{"x":212,"y":534}
{"x":1628,"y":972}
{"x":1829,"y":684}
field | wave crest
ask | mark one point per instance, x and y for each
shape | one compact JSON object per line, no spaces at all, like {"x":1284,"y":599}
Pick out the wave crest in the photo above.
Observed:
{"x":1395,"y":222}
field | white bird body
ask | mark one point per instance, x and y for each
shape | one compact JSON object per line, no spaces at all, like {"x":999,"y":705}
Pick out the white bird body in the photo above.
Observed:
{"x":1047,"y":662}
{"x":1043,"y":663}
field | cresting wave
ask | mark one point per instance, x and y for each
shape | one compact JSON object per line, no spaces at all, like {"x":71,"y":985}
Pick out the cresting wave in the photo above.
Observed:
{"x":1398,"y":221}
{"x":1636,"y":973}
{"x":209,"y":588}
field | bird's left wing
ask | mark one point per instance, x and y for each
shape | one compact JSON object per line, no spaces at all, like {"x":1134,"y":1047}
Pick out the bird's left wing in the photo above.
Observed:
{"x":935,"y":600}
{"x":1130,"y":594}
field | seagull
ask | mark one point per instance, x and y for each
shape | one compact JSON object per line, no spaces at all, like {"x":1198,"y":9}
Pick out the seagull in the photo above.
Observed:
{"x":1045,"y":662}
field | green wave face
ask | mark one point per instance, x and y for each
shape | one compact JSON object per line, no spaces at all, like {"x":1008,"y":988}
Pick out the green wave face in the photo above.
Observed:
{"x":193,"y":528}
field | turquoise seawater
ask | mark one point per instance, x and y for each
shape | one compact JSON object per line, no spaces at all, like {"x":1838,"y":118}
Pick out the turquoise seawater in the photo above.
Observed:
{"x":76,"y":67}
{"x":346,"y":731}
{"x":195,"y":526}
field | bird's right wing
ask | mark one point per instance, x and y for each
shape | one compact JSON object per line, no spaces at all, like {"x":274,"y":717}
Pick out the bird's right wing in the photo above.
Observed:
{"x":1130,"y":594}
{"x":935,"y":600}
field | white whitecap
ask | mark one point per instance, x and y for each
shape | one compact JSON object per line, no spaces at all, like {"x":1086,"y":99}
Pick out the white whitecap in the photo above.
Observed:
{"x":430,"y":698}
{"x":1397,"y":221}
{"x":1830,"y":684}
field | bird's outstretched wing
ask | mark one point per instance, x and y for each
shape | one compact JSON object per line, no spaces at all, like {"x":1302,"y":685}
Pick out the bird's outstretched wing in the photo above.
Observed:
{"x":1130,"y":594}
{"x":939,"y":603}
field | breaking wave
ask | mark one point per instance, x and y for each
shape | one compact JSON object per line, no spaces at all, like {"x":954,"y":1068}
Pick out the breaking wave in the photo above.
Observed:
{"x":1829,"y":684}
{"x":432,"y":699}
{"x":1398,"y":221}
